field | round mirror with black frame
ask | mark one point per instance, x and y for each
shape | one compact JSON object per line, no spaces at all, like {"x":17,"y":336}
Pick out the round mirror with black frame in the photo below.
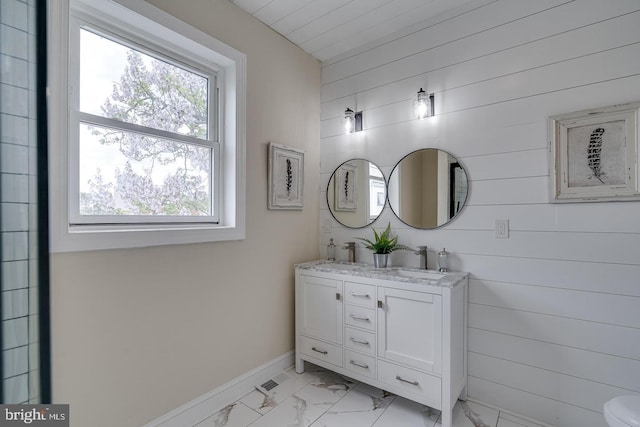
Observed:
{"x":356,"y":193}
{"x":427,"y":188}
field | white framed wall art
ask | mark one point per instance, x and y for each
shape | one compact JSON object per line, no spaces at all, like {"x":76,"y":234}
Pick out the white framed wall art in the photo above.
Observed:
{"x":286,"y":177}
{"x":594,"y":155}
{"x":346,"y":188}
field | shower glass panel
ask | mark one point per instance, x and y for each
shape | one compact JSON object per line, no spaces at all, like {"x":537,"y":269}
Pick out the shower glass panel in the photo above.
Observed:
{"x":24,"y":360}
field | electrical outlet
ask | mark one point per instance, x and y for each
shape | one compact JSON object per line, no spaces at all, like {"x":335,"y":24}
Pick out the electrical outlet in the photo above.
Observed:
{"x":502,"y":228}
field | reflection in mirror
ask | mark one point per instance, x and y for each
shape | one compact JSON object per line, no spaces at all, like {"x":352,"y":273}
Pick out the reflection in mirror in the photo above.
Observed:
{"x":427,"y":188}
{"x":356,"y":193}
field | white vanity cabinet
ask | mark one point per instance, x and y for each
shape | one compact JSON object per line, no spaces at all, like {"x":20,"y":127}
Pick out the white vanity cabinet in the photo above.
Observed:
{"x":401,"y":334}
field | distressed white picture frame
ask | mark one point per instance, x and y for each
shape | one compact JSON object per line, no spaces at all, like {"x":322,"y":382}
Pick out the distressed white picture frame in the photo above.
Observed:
{"x":594,"y":155}
{"x":286,"y":177}
{"x":345,"y":188}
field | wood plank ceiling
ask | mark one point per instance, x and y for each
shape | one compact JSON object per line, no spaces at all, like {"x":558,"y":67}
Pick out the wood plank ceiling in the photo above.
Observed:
{"x":328,"y":28}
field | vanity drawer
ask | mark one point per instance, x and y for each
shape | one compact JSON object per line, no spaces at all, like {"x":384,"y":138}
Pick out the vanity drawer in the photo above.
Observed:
{"x":363,"y":365}
{"x":360,"y":294}
{"x":321,"y":350}
{"x":356,"y":339}
{"x":415,"y":383}
{"x":360,"y":317}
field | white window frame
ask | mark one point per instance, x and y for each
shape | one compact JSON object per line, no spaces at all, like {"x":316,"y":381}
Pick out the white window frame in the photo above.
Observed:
{"x":142,"y":22}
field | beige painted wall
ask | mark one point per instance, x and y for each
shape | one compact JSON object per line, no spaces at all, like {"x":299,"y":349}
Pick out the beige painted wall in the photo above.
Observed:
{"x":419,"y":178}
{"x":137,"y":333}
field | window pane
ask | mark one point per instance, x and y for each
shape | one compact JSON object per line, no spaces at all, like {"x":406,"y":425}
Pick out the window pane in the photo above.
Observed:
{"x":374,"y":171}
{"x":125,"y":173}
{"x":125,"y":84}
{"x":377,"y":199}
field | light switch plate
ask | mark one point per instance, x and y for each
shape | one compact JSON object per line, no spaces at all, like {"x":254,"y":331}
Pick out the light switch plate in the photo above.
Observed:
{"x":502,"y":228}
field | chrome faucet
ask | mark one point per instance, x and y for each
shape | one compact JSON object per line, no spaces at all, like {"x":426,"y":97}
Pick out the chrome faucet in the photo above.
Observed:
{"x":351,"y":248}
{"x":422,"y":251}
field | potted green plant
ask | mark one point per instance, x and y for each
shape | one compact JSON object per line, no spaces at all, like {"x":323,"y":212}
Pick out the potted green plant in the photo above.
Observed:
{"x":382,"y":245}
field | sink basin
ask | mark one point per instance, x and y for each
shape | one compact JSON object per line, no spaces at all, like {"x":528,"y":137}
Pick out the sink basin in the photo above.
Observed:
{"x":429,"y":275}
{"x":339,"y":266}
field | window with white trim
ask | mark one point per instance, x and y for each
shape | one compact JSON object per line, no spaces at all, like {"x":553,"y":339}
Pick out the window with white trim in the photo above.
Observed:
{"x":144,"y":131}
{"x":153,"y":141}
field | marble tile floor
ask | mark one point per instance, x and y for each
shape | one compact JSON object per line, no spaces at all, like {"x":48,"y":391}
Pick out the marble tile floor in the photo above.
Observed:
{"x":320,"y":398}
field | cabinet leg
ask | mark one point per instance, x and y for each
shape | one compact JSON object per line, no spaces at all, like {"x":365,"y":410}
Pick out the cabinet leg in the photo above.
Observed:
{"x":447,"y":418}
{"x":299,"y":365}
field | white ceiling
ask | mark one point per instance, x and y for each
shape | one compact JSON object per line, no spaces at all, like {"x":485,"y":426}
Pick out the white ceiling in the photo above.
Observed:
{"x":328,"y":28}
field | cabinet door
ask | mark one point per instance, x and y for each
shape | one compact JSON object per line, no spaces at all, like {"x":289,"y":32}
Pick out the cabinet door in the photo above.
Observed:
{"x":321,"y":315}
{"x":410,"y":328}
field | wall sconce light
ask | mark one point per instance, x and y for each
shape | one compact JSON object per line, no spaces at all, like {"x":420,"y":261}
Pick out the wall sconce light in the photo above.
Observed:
{"x":352,"y":121}
{"x":425,"y":106}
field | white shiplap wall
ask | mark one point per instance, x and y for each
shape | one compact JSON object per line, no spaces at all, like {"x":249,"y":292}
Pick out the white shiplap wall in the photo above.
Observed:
{"x":554,"y":311}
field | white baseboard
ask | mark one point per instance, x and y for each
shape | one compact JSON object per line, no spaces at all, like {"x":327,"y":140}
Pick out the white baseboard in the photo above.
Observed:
{"x":209,"y":403}
{"x":506,"y":413}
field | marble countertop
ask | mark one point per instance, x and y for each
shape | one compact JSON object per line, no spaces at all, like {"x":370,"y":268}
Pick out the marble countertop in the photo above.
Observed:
{"x":395,"y":273}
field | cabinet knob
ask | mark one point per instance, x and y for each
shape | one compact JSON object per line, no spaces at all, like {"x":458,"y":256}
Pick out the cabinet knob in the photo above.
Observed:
{"x":380,"y":305}
{"x":338,"y":296}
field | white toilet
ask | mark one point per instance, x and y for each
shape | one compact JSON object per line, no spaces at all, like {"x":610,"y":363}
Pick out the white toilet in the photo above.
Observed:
{"x":623,"y":411}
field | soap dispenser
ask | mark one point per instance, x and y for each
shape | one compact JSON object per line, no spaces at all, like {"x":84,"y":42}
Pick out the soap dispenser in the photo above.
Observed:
{"x":331,"y":250}
{"x":443,"y":262}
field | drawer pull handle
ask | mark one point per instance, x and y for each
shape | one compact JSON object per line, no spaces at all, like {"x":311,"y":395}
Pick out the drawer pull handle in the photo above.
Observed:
{"x":361,"y":365}
{"x":354,"y":317}
{"x":352,"y":339}
{"x":399,"y":378}
{"x":319,"y":351}
{"x":356,"y":294}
